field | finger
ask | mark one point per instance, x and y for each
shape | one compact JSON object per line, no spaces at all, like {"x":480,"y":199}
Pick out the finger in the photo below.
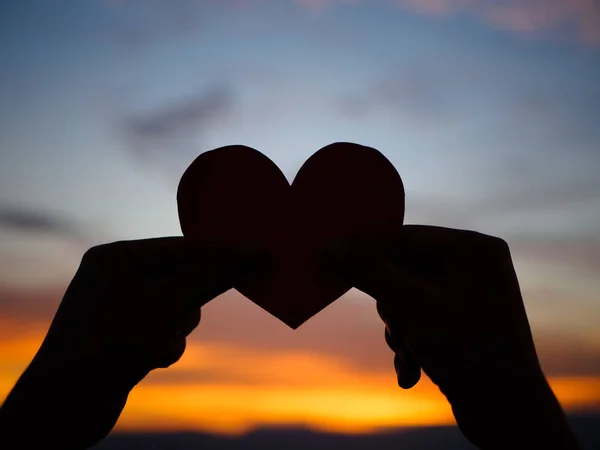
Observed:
{"x":195,"y":286}
{"x":429,"y":249}
{"x":408,"y":370}
{"x":174,"y":354}
{"x":388,"y":283}
{"x":190,"y":322}
{"x":181,"y":298}
{"x":154,"y":257}
{"x":165,"y":257}
{"x":382,"y":313}
{"x":427,"y":239}
{"x":227,"y":268}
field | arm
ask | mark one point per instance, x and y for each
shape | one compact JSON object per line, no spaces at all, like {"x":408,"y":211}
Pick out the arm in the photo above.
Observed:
{"x":452,"y":306}
{"x":126,"y":312}
{"x":67,"y":405}
{"x":516,"y":411}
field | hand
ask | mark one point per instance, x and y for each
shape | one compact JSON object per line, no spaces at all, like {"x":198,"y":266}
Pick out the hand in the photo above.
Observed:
{"x":451,"y":303}
{"x":126,"y":312}
{"x":138,"y":300}
{"x":452,"y":306}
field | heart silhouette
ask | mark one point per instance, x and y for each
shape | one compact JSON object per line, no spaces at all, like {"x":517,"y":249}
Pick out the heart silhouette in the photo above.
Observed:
{"x":235,"y":194}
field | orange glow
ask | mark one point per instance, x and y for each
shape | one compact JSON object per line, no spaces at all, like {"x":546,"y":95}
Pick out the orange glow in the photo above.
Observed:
{"x":231,"y":390}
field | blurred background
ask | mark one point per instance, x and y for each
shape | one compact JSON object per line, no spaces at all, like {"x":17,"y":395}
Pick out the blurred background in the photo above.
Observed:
{"x":489,"y":110}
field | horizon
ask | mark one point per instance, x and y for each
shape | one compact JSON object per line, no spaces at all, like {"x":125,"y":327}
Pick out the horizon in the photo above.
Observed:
{"x":420,"y":438}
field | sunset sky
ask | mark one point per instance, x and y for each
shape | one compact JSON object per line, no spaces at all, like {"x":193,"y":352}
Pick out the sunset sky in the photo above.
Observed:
{"x":489,"y":110}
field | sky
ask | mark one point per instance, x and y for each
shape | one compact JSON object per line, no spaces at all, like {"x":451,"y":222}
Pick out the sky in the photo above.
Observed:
{"x":490,"y":112}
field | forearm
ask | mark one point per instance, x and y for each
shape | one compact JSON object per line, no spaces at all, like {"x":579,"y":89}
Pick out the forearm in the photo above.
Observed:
{"x":60,"y":406}
{"x":515,"y":411}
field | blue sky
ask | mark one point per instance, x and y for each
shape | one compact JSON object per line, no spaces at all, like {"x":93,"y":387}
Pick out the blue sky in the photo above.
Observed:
{"x":491,"y":114}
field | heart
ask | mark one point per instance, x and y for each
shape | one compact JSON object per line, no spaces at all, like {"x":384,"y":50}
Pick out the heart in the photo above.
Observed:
{"x":235,"y":194}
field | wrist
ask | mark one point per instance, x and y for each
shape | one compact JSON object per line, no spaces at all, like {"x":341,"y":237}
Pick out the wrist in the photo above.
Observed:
{"x":106,"y":368}
{"x":514,"y":409}
{"x":70,"y":402}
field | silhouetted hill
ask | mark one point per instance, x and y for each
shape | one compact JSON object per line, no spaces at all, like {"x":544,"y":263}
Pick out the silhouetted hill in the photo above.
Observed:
{"x":587,"y":428}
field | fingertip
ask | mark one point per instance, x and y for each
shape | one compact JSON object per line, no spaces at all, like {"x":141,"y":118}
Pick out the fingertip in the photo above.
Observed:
{"x":408,"y":372}
{"x":174,"y":354}
{"x":381,"y":311}
{"x":408,"y":378}
{"x":407,"y":382}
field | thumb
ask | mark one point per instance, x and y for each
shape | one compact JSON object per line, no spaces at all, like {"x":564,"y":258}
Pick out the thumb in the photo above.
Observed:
{"x":373,"y":273}
{"x":220,"y":271}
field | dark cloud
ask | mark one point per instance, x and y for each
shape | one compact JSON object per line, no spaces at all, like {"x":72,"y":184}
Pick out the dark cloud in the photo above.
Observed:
{"x":170,"y":130}
{"x":133,"y":25}
{"x":42,"y":222}
{"x":517,"y":16}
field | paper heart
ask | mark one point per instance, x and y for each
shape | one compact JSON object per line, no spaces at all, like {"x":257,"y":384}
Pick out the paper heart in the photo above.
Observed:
{"x":235,"y":194}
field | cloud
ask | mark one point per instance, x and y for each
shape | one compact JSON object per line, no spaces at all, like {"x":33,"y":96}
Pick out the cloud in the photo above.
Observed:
{"x":523,"y":16}
{"x":349,"y":332}
{"x":234,"y":388}
{"x":578,"y":19}
{"x":547,"y":194}
{"x":534,"y":15}
{"x":509,"y":192}
{"x":319,"y":6}
{"x":243,"y":370}
{"x":582,"y":254}
{"x":42,"y":222}
{"x":168,"y":131}
{"x":32,"y":221}
{"x":581,"y":18}
{"x":579,"y":252}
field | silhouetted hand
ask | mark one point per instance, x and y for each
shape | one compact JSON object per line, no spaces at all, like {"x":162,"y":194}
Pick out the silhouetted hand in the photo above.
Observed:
{"x":452,"y":306}
{"x":126,"y":312}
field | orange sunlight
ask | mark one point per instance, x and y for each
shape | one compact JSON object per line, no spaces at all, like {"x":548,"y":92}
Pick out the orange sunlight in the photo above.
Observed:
{"x":230,"y":390}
